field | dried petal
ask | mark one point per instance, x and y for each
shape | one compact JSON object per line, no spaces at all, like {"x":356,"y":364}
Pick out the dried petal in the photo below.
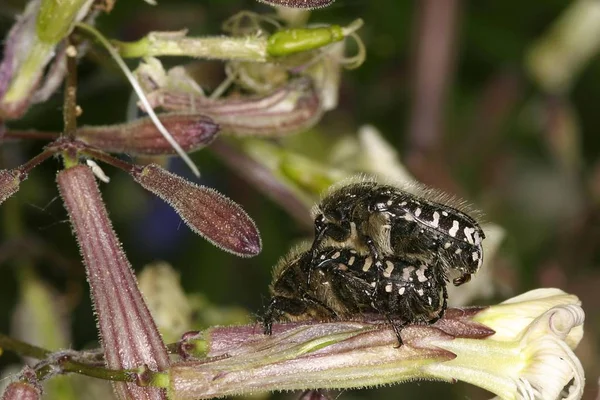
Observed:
{"x":207,"y":212}
{"x":292,"y":108}
{"x":9,"y":183}
{"x":16,"y":46}
{"x":30,"y":47}
{"x":310,"y":4}
{"x":141,"y":137}
{"x":127,"y":331}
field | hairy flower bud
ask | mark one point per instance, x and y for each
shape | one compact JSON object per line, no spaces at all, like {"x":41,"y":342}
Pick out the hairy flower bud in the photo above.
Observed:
{"x":27,"y":388}
{"x":292,"y":108}
{"x":192,"y":132}
{"x":207,"y":212}
{"x":22,"y":391}
{"x":10,"y":181}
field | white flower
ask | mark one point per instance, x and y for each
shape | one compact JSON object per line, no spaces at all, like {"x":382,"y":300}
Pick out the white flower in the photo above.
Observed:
{"x":530,"y":356}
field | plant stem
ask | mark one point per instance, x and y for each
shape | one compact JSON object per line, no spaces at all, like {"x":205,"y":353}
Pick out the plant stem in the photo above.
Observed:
{"x":66,"y":364}
{"x":30,"y":134}
{"x":70,"y":102}
{"x":35,"y":161}
{"x":107,"y":158}
{"x":177,"y":44}
{"x":22,"y":348}
{"x":91,"y":31}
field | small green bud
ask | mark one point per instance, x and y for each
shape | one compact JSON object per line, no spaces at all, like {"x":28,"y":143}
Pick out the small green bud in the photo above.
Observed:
{"x":291,"y":41}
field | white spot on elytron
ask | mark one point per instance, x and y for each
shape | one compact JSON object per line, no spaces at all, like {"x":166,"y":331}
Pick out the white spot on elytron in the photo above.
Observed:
{"x":353,"y":233}
{"x":408,"y":217}
{"x":351,"y":260}
{"x":368,"y":263}
{"x":389,"y":268}
{"x":401,"y":290}
{"x":436,"y":219}
{"x":420,"y":292}
{"x":477,"y":238}
{"x":406,"y":273}
{"x":454,"y":230}
{"x":458,"y":251}
{"x":388,"y":288}
{"x":429,"y":299}
{"x":335,"y":255}
{"x":373,"y":284}
{"x":447,"y":245}
{"x":475,"y":256}
{"x":403,"y":204}
{"x":421,"y":274}
{"x":418,"y":211}
{"x":322,"y":256}
{"x":445,"y":213}
{"x":468,"y":232}
{"x":342,"y":267}
{"x":389,"y":202}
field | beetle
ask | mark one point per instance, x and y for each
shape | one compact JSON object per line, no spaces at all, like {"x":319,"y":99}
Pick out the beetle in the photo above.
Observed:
{"x":341,"y":284}
{"x":385,"y":220}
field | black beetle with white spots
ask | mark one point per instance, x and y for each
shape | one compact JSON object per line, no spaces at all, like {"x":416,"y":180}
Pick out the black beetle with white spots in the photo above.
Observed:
{"x":378,"y":249}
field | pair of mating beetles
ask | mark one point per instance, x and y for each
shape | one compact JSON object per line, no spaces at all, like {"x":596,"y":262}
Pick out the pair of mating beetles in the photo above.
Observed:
{"x":380,"y":250}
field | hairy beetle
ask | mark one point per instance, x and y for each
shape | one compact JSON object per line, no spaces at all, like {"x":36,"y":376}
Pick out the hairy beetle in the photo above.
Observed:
{"x":384,"y":220}
{"x":341,"y":283}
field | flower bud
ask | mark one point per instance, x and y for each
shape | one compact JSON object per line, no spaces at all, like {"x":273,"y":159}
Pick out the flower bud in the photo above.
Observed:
{"x":291,"y":41}
{"x":22,"y":391}
{"x":292,"y":108}
{"x":207,"y":212}
{"x":27,"y":388}
{"x":192,"y":132}
{"x":10,"y":181}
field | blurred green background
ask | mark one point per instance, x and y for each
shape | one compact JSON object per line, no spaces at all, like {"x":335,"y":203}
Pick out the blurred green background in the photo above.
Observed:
{"x":480,"y":122}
